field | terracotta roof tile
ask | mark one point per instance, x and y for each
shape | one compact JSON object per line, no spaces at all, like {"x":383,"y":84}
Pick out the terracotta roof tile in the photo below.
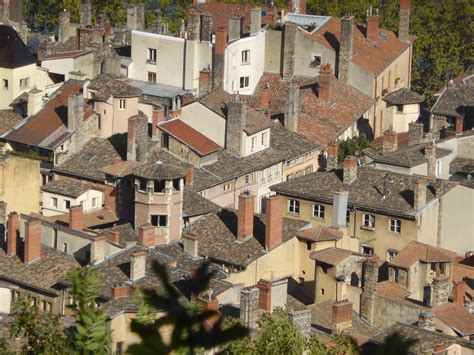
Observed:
{"x":319,"y":234}
{"x":70,"y":188}
{"x":453,"y":100}
{"x":330,"y":256}
{"x":189,"y":136}
{"x":222,"y":12}
{"x":403,"y":96}
{"x":416,"y":251}
{"x":8,"y":119}
{"x":158,"y":170}
{"x":395,"y":292}
{"x":91,"y":219}
{"x":63,"y":55}
{"x":456,"y":316}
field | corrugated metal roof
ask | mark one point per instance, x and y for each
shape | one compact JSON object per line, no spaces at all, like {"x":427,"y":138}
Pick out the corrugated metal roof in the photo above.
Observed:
{"x":158,"y":90}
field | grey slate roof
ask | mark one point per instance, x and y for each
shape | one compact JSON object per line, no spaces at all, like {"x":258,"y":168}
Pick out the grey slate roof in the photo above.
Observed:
{"x":159,"y":170}
{"x":365,"y":192}
{"x":403,"y":96}
{"x":217,"y":235}
{"x":158,"y":90}
{"x":453,"y":100}
{"x":108,"y":86}
{"x":195,"y":204}
{"x":13,"y":51}
{"x":409,"y":157}
{"x":70,"y":188}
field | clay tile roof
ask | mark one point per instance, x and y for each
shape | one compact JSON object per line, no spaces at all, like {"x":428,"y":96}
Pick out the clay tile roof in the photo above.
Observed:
{"x":464,"y":273}
{"x":216,"y":101}
{"x":13,"y":51}
{"x":195,"y":204}
{"x":416,"y":251}
{"x":457,"y":96}
{"x":222,"y":12}
{"x":91,"y":219}
{"x":456,"y":316}
{"x":159,"y":171}
{"x":392,"y":291}
{"x":461,"y":165}
{"x":189,"y":136}
{"x":330,"y":256}
{"x":409,"y":156}
{"x":68,"y":54}
{"x":403,"y":96}
{"x":374,"y":56}
{"x":8,"y":119}
{"x":48,"y":127}
{"x":319,"y":234}
{"x":120,"y":169}
{"x":70,"y":188}
{"x":104,"y":86}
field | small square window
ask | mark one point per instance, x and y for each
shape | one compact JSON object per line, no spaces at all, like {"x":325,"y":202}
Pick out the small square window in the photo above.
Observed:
{"x":368,"y":250}
{"x":5,"y":83}
{"x":399,"y":108}
{"x":142,"y":185}
{"x":244,"y":82}
{"x":151,"y":77}
{"x":322,"y":291}
{"x":227,"y":186}
{"x":294,"y":206}
{"x":318,"y":211}
{"x":395,"y":225}
{"x":159,"y":220}
{"x":316,"y":61}
{"x":54,"y":202}
{"x":391,"y":253}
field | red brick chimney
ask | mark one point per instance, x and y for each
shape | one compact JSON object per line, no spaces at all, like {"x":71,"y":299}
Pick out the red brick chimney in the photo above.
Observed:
{"x":13,"y":226}
{"x":459,"y":289}
{"x":350,"y":169}
{"x":146,"y":235}
{"x":325,"y":73}
{"x":245,"y":215}
{"x":303,"y":7}
{"x":76,"y":218}
{"x":459,"y":124}
{"x":331,"y":160}
{"x":342,"y":315}
{"x":273,"y":222}
{"x":32,"y":250}
{"x":390,"y":141}
{"x":209,"y":304}
{"x":265,"y":295}
{"x":373,"y":27}
{"x":205,"y":81}
{"x":120,"y":291}
{"x":221,"y":40}
{"x":114,"y":237}
{"x":189,"y":175}
{"x":265,"y":97}
{"x":158,"y":116}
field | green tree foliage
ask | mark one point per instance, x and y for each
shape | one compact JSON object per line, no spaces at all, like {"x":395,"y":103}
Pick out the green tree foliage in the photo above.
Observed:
{"x":186,"y":321}
{"x":43,"y":332}
{"x":353,"y":146}
{"x":395,"y":344}
{"x":90,"y":334}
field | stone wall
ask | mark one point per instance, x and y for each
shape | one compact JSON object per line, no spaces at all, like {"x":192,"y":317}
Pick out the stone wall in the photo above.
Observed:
{"x":388,"y":312}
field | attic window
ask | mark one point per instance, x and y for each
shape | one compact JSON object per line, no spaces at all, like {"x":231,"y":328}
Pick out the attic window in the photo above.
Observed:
{"x":316,"y":61}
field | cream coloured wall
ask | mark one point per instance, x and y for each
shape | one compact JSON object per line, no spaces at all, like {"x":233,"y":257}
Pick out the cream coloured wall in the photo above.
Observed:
{"x":301,"y":164}
{"x":86,"y":199}
{"x":261,"y":141}
{"x":205,"y":121}
{"x":399,"y":120}
{"x":120,"y":118}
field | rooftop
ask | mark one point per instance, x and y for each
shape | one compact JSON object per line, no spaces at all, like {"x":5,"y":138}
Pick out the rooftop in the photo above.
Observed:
{"x":69,"y":188}
{"x":319,"y":234}
{"x":403,"y":96}
{"x":157,"y":90}
{"x":222,"y":12}
{"x":195,"y":205}
{"x":65,"y":55}
{"x":91,"y":219}
{"x":105,"y":86}
{"x":416,"y":251}
{"x":8,"y":119}
{"x":330,"y":256}
{"x":410,"y":156}
{"x":455,"y":98}
{"x":13,"y":51}
{"x":158,"y":170}
{"x":456,"y":316}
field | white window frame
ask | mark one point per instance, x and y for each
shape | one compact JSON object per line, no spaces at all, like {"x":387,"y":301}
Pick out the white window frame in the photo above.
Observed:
{"x":319,"y":211}
{"x":65,"y":204}
{"x":244,"y":82}
{"x":253,"y":143}
{"x":294,"y":206}
{"x":54,"y":202}
{"x":438,"y":167}
{"x":395,"y":225}
{"x":95,"y":202}
{"x":227,"y":186}
{"x":368,"y":220}
{"x":263,"y":139}
{"x":151,"y":55}
{"x":245,"y":56}
{"x":122,"y":104}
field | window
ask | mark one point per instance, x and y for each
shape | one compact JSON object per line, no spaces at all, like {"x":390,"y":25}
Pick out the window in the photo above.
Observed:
{"x":301,"y":280}
{"x":142,"y":185}
{"x":151,"y":57}
{"x":244,"y":82}
{"x":316,"y":61}
{"x":438,"y":168}
{"x":395,"y":225}
{"x":322,"y":291}
{"x":289,"y":177}
{"x":5,"y":83}
{"x":318,"y":211}
{"x":54,"y":202}
{"x":348,"y":216}
{"x":24,"y":83}
{"x":151,"y":77}
{"x":290,"y":162}
{"x":299,"y":160}
{"x":368,"y":220}
{"x":94,"y":202}
{"x":368,"y":250}
{"x":122,"y":104}
{"x":159,"y":186}
{"x":263,"y":140}
{"x":308,"y":245}
{"x":248,"y":178}
{"x":308,"y":170}
{"x":227,"y":186}
{"x":438,"y":268}
{"x":294,"y":206}
{"x":391,"y":253}
{"x":309,"y":155}
{"x":245,"y":57}
{"x":65,"y":248}
{"x":399,"y":108}
{"x":67,"y":204}
{"x":159,"y":220}
{"x":253,"y":142}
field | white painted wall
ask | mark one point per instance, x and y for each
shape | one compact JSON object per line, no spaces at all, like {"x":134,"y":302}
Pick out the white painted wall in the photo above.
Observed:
{"x":205,"y":121}
{"x":399,"y":120}
{"x":257,"y":142}
{"x":86,"y":198}
{"x":5,"y":300}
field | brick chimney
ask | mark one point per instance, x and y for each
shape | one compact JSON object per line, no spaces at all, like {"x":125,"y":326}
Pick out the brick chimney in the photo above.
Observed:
{"x":235,"y":28}
{"x":114,"y":237}
{"x":219,"y":57}
{"x":121,"y":291}
{"x":255,"y":20}
{"x":13,"y":226}
{"x":189,"y":179}
{"x":404,"y":21}
{"x":32,"y":251}
{"x":265,"y":295}
{"x":325,"y":74}
{"x":289,"y":45}
{"x":415,"y":133}
{"x":98,"y":249}
{"x":209,"y":303}
{"x":350,"y":169}
{"x":419,"y":194}
{"x":273,"y":222}
{"x":341,"y":315}
{"x":157,"y":117}
{"x":76,"y":218}
{"x":459,"y":290}
{"x":137,"y":138}
{"x":146,"y":235}
{"x":221,"y":40}
{"x":138,"y":265}
{"x":245,"y":216}
{"x":390,"y":141}
{"x":236,"y":122}
{"x":191,"y":245}
{"x":430,"y":156}
{"x":373,"y":27}
{"x":459,"y":125}
{"x":249,"y":307}
{"x":205,"y":81}
{"x":265,"y":97}
{"x":345,"y":48}
{"x":292,"y":108}
{"x":332,"y":152}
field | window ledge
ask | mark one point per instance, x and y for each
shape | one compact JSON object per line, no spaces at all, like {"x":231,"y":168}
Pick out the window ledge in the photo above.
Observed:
{"x":148,"y":61}
{"x":246,"y":63}
{"x":293,"y":213}
{"x":394,"y":233}
{"x":371,"y":229}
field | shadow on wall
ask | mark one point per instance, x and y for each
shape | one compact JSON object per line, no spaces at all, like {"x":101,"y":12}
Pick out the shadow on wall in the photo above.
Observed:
{"x":364,"y":127}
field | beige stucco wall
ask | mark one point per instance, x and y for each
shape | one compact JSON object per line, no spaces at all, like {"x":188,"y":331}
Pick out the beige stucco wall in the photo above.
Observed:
{"x":399,"y":120}
{"x":48,"y":209}
{"x":20,"y":183}
{"x":310,"y":160}
{"x":205,"y":121}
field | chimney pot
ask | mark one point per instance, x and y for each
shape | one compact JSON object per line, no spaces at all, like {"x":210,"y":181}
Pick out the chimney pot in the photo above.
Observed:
{"x":325,"y":73}
{"x":138,"y":265}
{"x":32,"y":250}
{"x":342,"y":315}
{"x":265,"y":295}
{"x":390,"y":141}
{"x":350,"y":169}
{"x":13,"y":229}
{"x":273,"y":222}
{"x":245,"y":216}
{"x":76,"y":218}
{"x":146,"y":236}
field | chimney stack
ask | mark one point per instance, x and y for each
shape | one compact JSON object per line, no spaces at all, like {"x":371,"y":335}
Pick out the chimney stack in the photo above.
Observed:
{"x":5,"y":13}
{"x":419,"y":194}
{"x":426,"y":320}
{"x":13,"y":226}
{"x":245,"y":216}
{"x":373,"y":27}
{"x":146,"y":235}
{"x":114,"y":237}
{"x":64,"y":26}
{"x":265,"y":97}
{"x":339,"y":209}
{"x":249,"y":307}
{"x":98,"y":249}
{"x":292,"y":108}
{"x":440,"y":291}
{"x":76,"y":218}
{"x":345,"y":48}
{"x":35,"y":101}
{"x":371,"y":277}
{"x":350,"y":169}
{"x":300,"y":6}
{"x":205,"y":81}
{"x":138,"y":265}
{"x":255,"y":20}
{"x":430,"y":156}
{"x":86,"y":14}
{"x":265,"y":295}
{"x":273,"y":222}
{"x":289,"y":44}
{"x":219,"y":57}
{"x":193,"y":26}
{"x":209,"y":303}
{"x":191,"y":245}
{"x":332,"y":153}
{"x":404,"y":21}
{"x":120,"y":291}
{"x":459,"y":290}
{"x":415,"y":133}
{"x":235,"y":28}
{"x":459,"y":125}
{"x":236,"y":122}
{"x":390,"y":141}
{"x":136,"y":17}
{"x":221,"y":40}
{"x":341,"y":315}
{"x":189,"y":179}
{"x":158,"y":116}
{"x":75,"y":111}
{"x":32,"y":251}
{"x":325,"y":73}
{"x":137,"y":138}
